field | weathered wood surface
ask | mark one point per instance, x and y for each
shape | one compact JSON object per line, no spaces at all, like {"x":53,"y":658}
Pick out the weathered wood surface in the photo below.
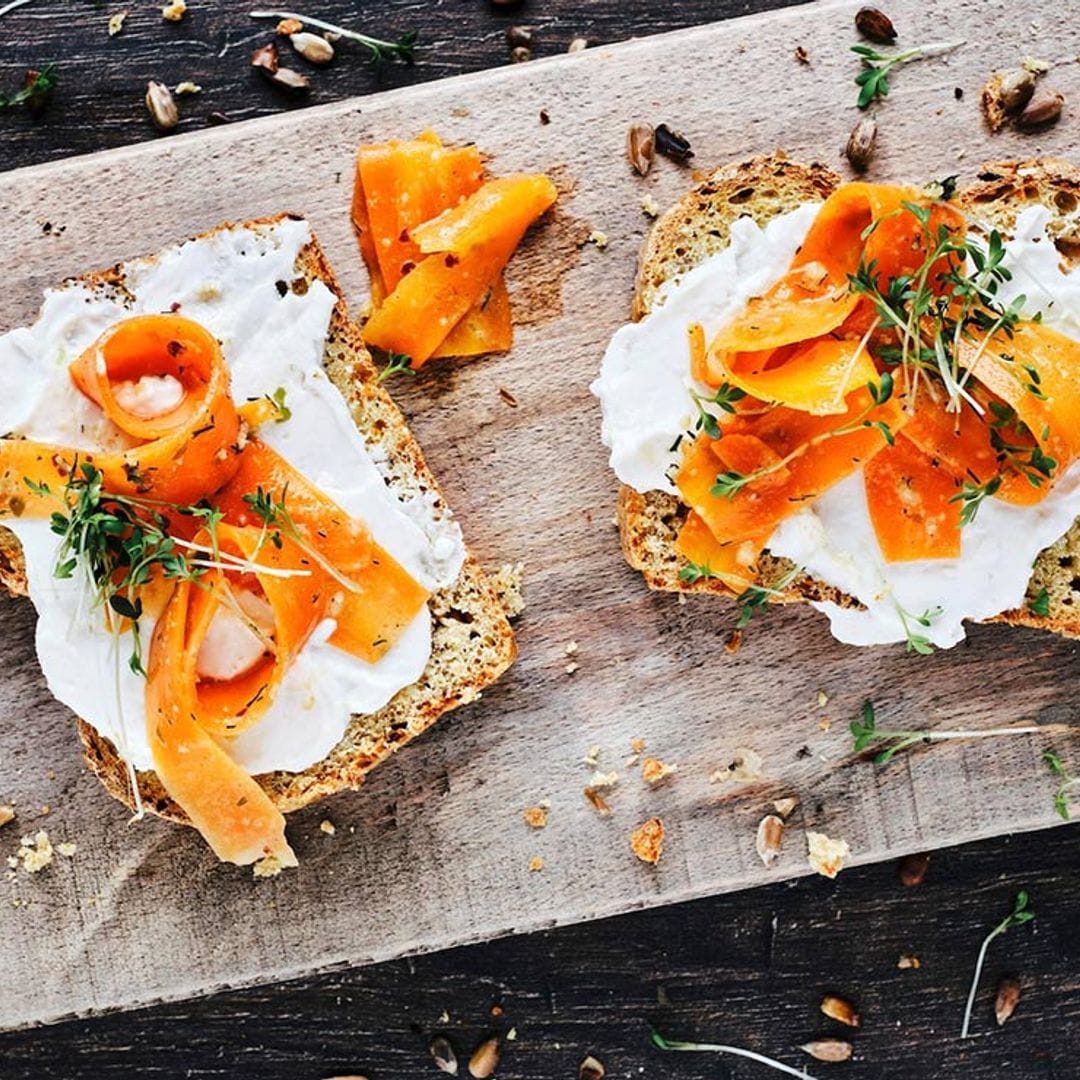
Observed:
{"x":439,"y":855}
{"x":748,"y":969}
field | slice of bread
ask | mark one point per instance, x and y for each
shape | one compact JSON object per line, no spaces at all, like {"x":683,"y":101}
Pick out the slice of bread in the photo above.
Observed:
{"x":698,"y":226}
{"x":472,"y":643}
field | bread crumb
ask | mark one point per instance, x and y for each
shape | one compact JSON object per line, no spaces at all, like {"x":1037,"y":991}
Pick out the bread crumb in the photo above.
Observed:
{"x":907,"y":961}
{"x":592,"y":756}
{"x":116,"y":22}
{"x":444,"y":1017}
{"x":507,"y":582}
{"x":600,"y":239}
{"x":825,"y":724}
{"x":601,"y":780}
{"x":536,"y":863}
{"x":511,"y":1035}
{"x":647,"y":841}
{"x":650,"y":207}
{"x":536,"y":817}
{"x":653,"y":771}
{"x":786,"y":807}
{"x":174,"y":11}
{"x":268,"y":866}
{"x":822,"y":699}
{"x":187,"y":87}
{"x":570,"y":668}
{"x":571,"y":648}
{"x":1036,"y":67}
{"x":67,"y":849}
{"x":745,"y":768}
{"x":826,"y":856}
{"x":327,"y":826}
{"x":36,"y":852}
{"x":7,"y":813}
{"x":637,"y":745}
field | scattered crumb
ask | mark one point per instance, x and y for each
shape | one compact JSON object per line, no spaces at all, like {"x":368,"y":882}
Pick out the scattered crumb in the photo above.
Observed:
{"x":444,"y":1017}
{"x":7,"y":813}
{"x":116,"y":22}
{"x":459,"y":112}
{"x":826,"y":855}
{"x":907,"y":961}
{"x":175,"y":11}
{"x":1036,"y":67}
{"x":187,"y":87}
{"x":507,"y":582}
{"x":822,"y":699}
{"x":592,"y":756}
{"x":801,"y":55}
{"x":825,"y":724}
{"x":511,"y":1035}
{"x":598,"y":802}
{"x":601,"y":780}
{"x":745,"y":768}
{"x":786,"y":807}
{"x":288,"y":27}
{"x":733,"y":643}
{"x":637,"y":745}
{"x":46,"y":810}
{"x":600,"y":239}
{"x":508,"y":397}
{"x":327,"y":827}
{"x":67,"y":849}
{"x":536,"y":863}
{"x":268,"y":866}
{"x":570,"y":668}
{"x":647,"y":841}
{"x":571,"y":648}
{"x":536,"y":817}
{"x":650,"y":207}
{"x":36,"y":852}
{"x":653,"y":771}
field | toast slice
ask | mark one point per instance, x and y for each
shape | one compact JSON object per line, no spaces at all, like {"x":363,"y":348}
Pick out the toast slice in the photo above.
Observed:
{"x":472,"y":643}
{"x":699,"y":225}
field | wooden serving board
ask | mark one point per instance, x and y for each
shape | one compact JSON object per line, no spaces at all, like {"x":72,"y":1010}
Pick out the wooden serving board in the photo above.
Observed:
{"x":433,"y":851}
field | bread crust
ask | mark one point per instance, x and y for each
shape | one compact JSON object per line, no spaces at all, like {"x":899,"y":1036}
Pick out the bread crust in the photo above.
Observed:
{"x":698,"y":226}
{"x":472,"y":642}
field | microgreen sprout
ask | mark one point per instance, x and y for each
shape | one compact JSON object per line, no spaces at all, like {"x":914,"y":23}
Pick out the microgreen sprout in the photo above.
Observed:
{"x":694,"y":572}
{"x":396,"y":364}
{"x":1019,"y":915}
{"x":866,"y":734}
{"x":873,"y":79}
{"x":662,"y":1043}
{"x":403,"y":47}
{"x":37,"y":87}
{"x":754,"y":599}
{"x":1066,"y":782}
{"x":724,"y":399}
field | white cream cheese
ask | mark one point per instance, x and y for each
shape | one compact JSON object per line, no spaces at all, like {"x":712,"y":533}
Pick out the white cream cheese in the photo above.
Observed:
{"x":644,"y":393}
{"x":228,"y":283}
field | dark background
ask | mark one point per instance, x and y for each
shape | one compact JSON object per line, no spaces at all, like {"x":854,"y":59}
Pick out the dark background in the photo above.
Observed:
{"x":748,"y":969}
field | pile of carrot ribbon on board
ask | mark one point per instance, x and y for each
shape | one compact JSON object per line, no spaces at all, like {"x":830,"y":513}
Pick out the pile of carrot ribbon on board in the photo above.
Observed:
{"x":813,"y":392}
{"x":435,"y":237}
{"x":318,"y":562}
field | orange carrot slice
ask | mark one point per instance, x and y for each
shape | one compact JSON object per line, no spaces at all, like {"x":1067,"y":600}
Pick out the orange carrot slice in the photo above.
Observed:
{"x":910,"y":498}
{"x":231,"y":811}
{"x":189,"y":450}
{"x":814,"y":459}
{"x":487,"y":327}
{"x":734,"y":563}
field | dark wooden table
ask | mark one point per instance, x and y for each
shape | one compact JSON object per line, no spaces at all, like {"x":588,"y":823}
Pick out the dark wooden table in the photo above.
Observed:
{"x":748,"y":969}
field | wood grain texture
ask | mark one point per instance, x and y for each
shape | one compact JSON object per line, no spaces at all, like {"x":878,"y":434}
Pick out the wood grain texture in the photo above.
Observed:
{"x":749,"y":969}
{"x":439,"y":855}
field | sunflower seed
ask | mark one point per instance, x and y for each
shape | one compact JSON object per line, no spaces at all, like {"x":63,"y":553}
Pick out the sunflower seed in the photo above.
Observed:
{"x":1015,"y":89}
{"x":913,"y":868}
{"x":442,"y":1053}
{"x":860,"y":144}
{"x":1008,"y":997}
{"x":485,"y":1059}
{"x":314,"y":49}
{"x":640,"y":147}
{"x":519,"y":36}
{"x":828,"y":1049}
{"x":770,"y":832}
{"x":520,"y":54}
{"x":291,"y":80}
{"x":837,"y":1008}
{"x":875,"y":25}
{"x":161,"y":105}
{"x":1041,"y":111}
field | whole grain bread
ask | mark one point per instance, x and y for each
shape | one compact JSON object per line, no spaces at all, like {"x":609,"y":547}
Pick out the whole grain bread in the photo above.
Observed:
{"x":472,"y":642}
{"x":699,"y":225}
